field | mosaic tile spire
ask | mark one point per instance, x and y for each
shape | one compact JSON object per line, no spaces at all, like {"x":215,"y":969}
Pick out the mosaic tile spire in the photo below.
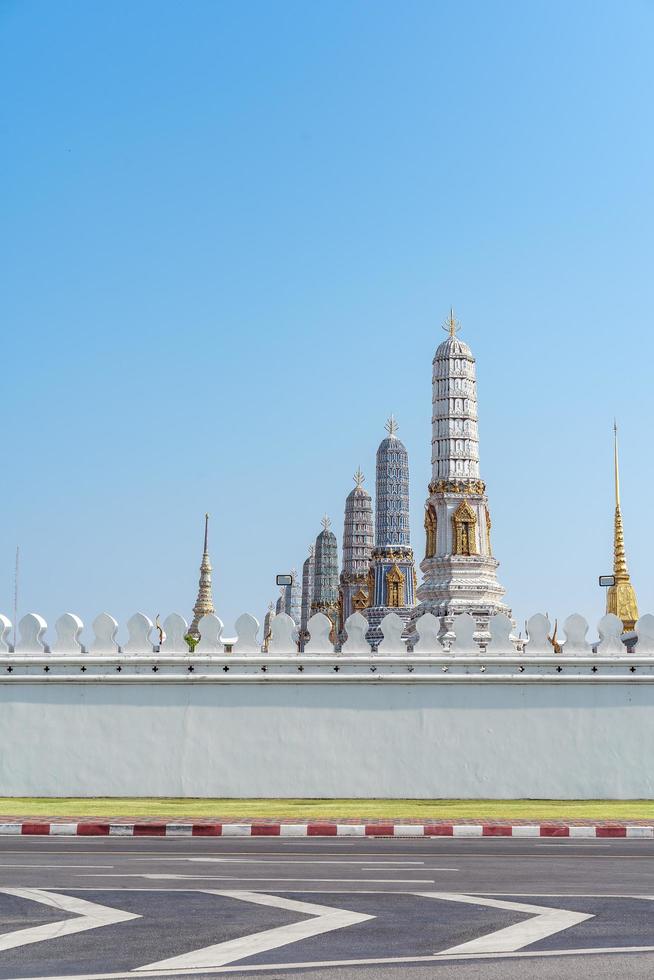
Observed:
{"x":358,"y":540}
{"x":325,"y":574}
{"x":307,"y":593}
{"x":392,"y":522}
{"x":392,"y":576}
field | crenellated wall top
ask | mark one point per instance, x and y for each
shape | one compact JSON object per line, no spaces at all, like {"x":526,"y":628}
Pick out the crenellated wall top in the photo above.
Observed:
{"x":466,"y":654}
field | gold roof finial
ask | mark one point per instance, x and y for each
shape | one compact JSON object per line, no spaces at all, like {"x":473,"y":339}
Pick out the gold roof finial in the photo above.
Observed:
{"x":616,"y":463}
{"x":326,"y":522}
{"x":359,"y":478}
{"x":451,"y":325}
{"x":391,"y":426}
{"x":621,"y":597}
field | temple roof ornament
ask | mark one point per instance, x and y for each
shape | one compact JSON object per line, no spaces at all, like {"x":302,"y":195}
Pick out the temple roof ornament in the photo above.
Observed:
{"x":204,"y":602}
{"x":391,"y":426}
{"x":621,"y":597}
{"x":451,"y":325}
{"x":359,"y":478}
{"x":326,"y":522}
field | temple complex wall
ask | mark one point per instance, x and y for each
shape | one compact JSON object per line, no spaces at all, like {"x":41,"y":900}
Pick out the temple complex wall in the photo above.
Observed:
{"x":469,"y":737}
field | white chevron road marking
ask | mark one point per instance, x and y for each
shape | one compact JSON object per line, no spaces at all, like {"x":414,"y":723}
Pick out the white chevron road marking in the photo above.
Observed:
{"x":545,"y":922}
{"x":91,"y":916}
{"x":325,"y":918}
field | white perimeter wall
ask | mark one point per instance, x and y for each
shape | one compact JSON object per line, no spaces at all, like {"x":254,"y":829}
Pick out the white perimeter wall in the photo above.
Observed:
{"x":328,"y":740}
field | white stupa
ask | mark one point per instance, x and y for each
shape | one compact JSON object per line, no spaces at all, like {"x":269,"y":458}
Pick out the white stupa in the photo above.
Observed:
{"x":460,"y":572}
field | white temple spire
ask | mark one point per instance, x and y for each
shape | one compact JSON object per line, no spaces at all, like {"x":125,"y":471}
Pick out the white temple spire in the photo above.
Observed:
{"x":204,"y":602}
{"x":460,"y":572}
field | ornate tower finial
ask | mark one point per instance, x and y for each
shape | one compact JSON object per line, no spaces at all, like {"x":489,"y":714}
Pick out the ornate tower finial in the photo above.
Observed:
{"x":616,"y":463}
{"x":204,"y":602}
{"x":312,"y":548}
{"x":391,"y":426}
{"x":621,"y":597}
{"x":359,"y":478}
{"x":451,"y":325}
{"x":326,"y":522}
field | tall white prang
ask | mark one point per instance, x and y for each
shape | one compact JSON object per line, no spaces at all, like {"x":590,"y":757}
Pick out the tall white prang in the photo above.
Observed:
{"x":459,"y":570}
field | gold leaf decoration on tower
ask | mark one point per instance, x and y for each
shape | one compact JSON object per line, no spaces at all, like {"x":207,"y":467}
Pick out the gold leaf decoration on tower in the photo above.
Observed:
{"x":430,"y":529}
{"x":464,"y":522}
{"x":394,"y":587}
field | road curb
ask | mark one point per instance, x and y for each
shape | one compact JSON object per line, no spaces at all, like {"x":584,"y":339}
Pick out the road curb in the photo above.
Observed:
{"x":322,"y":829}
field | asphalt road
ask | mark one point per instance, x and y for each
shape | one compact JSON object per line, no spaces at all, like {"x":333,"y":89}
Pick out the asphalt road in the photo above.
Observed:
{"x":492,"y":909}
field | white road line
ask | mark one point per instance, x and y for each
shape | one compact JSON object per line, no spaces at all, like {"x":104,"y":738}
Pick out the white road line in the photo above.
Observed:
{"x":379,"y":961}
{"x":152,"y":876}
{"x":55,"y":866}
{"x":420,"y":870}
{"x":545,"y":923}
{"x":91,"y":916}
{"x":325,"y":919}
{"x":287,"y":860}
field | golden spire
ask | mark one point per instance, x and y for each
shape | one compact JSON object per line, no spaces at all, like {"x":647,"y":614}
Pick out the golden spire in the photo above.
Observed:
{"x":621,"y":597}
{"x":451,"y":325}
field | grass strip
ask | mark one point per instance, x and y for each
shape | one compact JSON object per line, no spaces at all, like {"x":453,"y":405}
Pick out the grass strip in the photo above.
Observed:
{"x":310,"y":809}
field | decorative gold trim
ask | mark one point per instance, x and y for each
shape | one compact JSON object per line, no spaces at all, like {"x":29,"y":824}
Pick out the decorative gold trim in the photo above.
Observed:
{"x":395,"y":591}
{"x":474,"y":487}
{"x":430,"y":529}
{"x":382,"y":555}
{"x":371,"y":587}
{"x":488,"y":531}
{"x":464,"y":524}
{"x":360,"y":600}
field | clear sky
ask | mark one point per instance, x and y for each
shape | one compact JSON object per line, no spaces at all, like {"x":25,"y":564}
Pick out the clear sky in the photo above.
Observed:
{"x":230,"y":234}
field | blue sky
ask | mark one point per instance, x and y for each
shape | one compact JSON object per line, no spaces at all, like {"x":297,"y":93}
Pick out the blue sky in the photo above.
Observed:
{"x":230,"y":234}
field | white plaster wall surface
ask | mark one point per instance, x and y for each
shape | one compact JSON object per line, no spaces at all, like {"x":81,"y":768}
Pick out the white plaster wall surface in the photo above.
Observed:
{"x":316,"y":740}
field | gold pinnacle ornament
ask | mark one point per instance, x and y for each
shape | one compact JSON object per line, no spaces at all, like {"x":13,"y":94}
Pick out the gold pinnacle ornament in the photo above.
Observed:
{"x":451,"y":325}
{"x":621,"y":597}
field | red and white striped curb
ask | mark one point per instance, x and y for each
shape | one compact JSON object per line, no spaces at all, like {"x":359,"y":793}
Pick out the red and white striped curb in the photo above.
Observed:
{"x":92,"y":829}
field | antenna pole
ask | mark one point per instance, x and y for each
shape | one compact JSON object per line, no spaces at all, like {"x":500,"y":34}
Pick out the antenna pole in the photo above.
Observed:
{"x":16,"y":592}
